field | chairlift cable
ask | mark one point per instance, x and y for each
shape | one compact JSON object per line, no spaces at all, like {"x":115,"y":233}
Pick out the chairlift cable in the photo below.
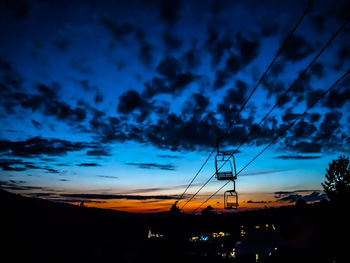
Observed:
{"x":281,"y":134}
{"x":252,"y":92}
{"x":288,"y":90}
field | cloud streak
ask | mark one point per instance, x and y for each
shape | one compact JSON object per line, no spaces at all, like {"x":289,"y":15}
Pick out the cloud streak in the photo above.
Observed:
{"x":167,"y":167}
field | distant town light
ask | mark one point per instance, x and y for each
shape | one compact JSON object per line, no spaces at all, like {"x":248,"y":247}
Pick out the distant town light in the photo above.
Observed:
{"x":203,"y":238}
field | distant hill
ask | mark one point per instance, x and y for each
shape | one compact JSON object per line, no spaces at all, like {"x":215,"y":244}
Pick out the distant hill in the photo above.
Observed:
{"x":37,"y":230}
{"x":43,"y":231}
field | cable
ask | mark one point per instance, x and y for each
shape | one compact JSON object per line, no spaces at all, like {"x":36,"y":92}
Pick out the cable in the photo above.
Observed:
{"x":197,"y":173}
{"x":285,"y":93}
{"x":282,"y":133}
{"x":295,"y":81}
{"x":253,"y":90}
{"x":270,"y":65}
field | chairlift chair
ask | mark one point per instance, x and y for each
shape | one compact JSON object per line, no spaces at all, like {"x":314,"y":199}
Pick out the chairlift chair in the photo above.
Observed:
{"x":225,"y":168}
{"x":231,"y":198}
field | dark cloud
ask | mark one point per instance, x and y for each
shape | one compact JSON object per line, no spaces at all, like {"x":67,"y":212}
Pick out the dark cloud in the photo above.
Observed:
{"x":304,"y":129}
{"x":18,"y":186}
{"x":51,"y":170}
{"x":173,"y":79}
{"x":257,"y":202}
{"x":191,"y":58}
{"x":236,"y":95}
{"x":88,"y":164}
{"x":98,"y":151}
{"x":10,"y":80}
{"x":318,"y":70}
{"x":157,"y":189}
{"x":98,"y":97}
{"x":65,"y":200}
{"x":171,"y":42}
{"x":231,"y":102}
{"x":297,"y":49}
{"x":37,"y":124}
{"x":269,"y":28}
{"x":275,"y":88}
{"x":263,"y":172}
{"x":87,"y":86}
{"x":118,"y":30}
{"x":46,"y":101}
{"x":175,"y":133}
{"x":169,"y":67}
{"x":156,"y":86}
{"x":168,"y":156}
{"x":298,"y":157}
{"x":37,"y":146}
{"x":337,"y":98}
{"x":170,"y":11}
{"x":314,"y":196}
{"x":314,"y":117}
{"x":343,"y":55}
{"x":248,"y":48}
{"x":196,"y":105}
{"x":312,"y":95}
{"x":13,"y":165}
{"x":145,"y":53}
{"x":305,"y":147}
{"x":280,"y":194}
{"x":108,"y":176}
{"x":16,"y":9}
{"x":130,"y":101}
{"x":41,"y":194}
{"x":221,"y":78}
{"x":111,"y":197}
{"x":289,"y":116}
{"x":292,"y":197}
{"x":233,"y":64}
{"x":319,"y":20}
{"x":62,"y":43}
{"x":168,"y":167}
{"x":277,"y":68}
{"x":217,"y":45}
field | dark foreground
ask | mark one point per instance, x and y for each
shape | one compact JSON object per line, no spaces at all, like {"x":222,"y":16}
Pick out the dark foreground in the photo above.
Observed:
{"x":35,"y":230}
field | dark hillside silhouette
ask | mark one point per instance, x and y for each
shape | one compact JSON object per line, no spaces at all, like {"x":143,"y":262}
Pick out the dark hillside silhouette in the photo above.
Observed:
{"x":43,"y":231}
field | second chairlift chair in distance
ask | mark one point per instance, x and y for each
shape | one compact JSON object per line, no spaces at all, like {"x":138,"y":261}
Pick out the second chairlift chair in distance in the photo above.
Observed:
{"x":225,"y":167}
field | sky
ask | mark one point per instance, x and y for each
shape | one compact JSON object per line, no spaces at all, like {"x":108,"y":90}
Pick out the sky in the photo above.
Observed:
{"x":119,"y":103}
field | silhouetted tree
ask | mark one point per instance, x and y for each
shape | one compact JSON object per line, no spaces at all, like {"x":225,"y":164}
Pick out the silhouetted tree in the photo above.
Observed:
{"x":300,"y":203}
{"x":337,"y":184}
{"x":175,"y":209}
{"x":207,"y":211}
{"x":324,"y":203}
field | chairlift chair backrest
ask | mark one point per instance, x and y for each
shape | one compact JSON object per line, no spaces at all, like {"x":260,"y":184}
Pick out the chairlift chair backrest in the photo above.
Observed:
{"x":231,"y":199}
{"x":223,"y":166}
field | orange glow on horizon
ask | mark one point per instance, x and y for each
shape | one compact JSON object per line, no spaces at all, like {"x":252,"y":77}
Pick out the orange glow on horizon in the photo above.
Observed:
{"x":154,"y":206}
